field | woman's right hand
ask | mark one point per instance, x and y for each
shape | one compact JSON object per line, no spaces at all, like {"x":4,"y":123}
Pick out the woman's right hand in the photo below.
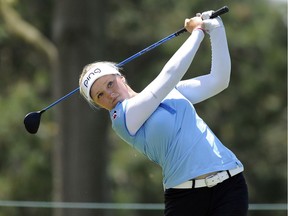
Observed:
{"x":193,"y":23}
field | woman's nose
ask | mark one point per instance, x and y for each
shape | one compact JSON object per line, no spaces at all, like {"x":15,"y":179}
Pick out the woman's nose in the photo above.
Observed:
{"x":113,"y":94}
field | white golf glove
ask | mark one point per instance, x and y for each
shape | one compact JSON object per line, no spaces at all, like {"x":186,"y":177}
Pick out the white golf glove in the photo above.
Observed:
{"x":210,"y":24}
{"x":206,"y":15}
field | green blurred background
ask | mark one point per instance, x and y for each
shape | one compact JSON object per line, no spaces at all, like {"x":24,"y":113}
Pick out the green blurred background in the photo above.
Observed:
{"x":75,"y":156}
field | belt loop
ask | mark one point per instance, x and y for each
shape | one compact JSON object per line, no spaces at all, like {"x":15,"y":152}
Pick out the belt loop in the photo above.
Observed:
{"x":193,"y":183}
{"x":229,"y":174}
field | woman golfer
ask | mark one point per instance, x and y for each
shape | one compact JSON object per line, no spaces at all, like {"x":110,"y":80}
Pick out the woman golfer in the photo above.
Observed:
{"x":200,"y":175}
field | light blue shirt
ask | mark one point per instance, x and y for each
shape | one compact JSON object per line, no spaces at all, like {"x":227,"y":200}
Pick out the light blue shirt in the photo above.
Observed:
{"x":177,"y":139}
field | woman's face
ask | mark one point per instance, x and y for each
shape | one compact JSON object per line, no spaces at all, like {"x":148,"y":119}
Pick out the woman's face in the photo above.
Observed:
{"x":108,"y":90}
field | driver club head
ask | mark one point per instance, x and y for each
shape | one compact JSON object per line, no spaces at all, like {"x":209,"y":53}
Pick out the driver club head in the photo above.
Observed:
{"x":32,"y":121}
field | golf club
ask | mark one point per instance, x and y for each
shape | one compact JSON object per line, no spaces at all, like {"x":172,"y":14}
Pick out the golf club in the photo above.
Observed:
{"x":32,"y":119}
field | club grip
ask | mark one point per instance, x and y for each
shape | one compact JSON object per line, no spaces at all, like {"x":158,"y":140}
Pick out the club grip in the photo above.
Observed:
{"x":216,"y":13}
{"x":219,"y":12}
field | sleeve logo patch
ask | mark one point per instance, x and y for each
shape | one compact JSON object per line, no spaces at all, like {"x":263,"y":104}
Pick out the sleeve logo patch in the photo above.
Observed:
{"x":114,"y":116}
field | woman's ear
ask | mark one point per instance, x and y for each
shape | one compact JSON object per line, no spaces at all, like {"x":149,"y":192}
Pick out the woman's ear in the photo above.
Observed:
{"x":123,"y":79}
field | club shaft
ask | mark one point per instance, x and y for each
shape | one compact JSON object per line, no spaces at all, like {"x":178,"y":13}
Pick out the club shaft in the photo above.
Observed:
{"x":169,"y":37}
{"x":158,"y":43}
{"x":60,"y":99}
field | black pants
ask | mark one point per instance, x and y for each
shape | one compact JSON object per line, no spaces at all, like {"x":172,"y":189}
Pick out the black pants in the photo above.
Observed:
{"x":229,"y":198}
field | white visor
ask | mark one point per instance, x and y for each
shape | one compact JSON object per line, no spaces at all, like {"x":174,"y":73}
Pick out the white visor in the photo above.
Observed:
{"x":98,"y":70}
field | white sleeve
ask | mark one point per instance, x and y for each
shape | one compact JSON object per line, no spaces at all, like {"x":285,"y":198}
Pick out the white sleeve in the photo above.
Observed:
{"x":140,"y":107}
{"x":203,"y":87}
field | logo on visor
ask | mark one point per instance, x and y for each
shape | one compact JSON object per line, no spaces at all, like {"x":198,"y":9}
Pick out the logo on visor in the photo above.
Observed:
{"x":86,"y":81}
